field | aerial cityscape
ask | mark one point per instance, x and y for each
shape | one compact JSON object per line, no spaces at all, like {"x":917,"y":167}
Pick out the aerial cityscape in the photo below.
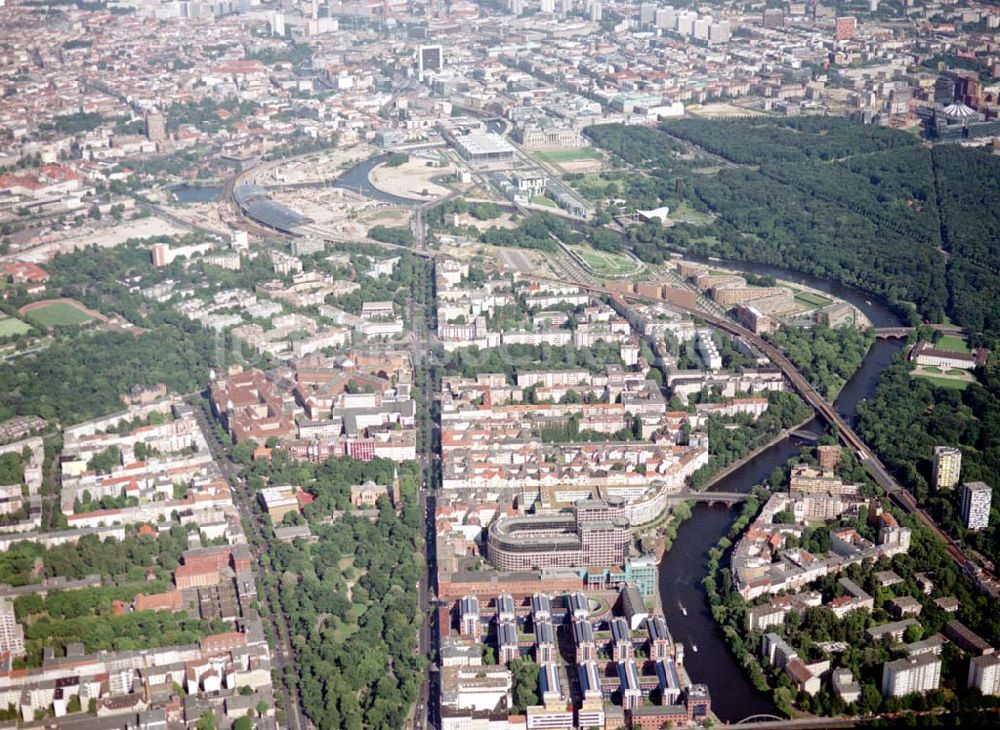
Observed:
{"x":499,"y":364}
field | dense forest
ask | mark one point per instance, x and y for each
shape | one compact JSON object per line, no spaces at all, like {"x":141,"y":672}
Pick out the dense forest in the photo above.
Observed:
{"x":969,"y":202}
{"x":865,"y":206}
{"x":794,"y":139}
{"x":827,"y":357}
{"x":544,"y":231}
{"x":82,"y":377}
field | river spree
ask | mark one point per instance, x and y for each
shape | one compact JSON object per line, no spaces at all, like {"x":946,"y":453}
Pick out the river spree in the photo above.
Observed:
{"x":682,"y":569}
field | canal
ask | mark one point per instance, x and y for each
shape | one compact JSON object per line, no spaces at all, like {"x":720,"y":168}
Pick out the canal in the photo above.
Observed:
{"x":685,"y":603}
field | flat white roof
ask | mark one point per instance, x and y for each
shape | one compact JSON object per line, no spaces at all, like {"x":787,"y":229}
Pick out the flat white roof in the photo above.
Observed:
{"x":484,"y":143}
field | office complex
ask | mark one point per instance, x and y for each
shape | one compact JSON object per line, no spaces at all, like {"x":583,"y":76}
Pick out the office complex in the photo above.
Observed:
{"x":429,"y":58}
{"x":773,"y":18}
{"x":594,"y":534}
{"x":156,"y":127}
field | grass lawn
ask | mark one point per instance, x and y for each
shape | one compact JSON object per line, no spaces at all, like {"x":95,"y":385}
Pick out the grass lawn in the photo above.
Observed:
{"x":10,"y":326}
{"x":603,"y":263}
{"x":595,"y":186}
{"x":569,"y":155}
{"x":686,"y":214}
{"x":956,"y":371}
{"x":953,"y":383}
{"x":58,"y":313}
{"x":952,"y":342}
{"x":543,"y":200}
{"x":811,"y":300}
{"x":343,"y":630}
{"x":931,"y":369}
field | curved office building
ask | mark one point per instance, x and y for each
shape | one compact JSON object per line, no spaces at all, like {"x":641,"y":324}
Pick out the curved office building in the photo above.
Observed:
{"x":594,"y":534}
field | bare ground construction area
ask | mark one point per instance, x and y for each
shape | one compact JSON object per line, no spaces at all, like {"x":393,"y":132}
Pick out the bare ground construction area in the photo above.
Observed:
{"x":413,"y":179}
{"x":105,"y":237}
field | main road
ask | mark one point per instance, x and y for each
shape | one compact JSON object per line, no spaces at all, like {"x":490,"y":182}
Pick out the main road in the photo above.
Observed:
{"x":420,"y":305}
{"x":284,"y":653}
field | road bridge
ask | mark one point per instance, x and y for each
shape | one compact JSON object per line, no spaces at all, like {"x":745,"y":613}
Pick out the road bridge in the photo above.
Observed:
{"x":773,"y":721}
{"x":691,"y":495}
{"x":805,"y":435}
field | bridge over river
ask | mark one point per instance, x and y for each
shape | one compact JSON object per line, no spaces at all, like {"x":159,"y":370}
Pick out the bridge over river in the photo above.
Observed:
{"x":690,"y":495}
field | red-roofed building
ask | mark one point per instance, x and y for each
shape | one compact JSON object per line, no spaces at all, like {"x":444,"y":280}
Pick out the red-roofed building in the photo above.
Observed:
{"x":24,"y":272}
{"x":46,"y":181}
{"x":216,"y":557}
{"x":168,"y":601}
{"x":249,"y":409}
{"x":200,"y":575}
{"x":219,"y":643}
{"x":241,"y":67}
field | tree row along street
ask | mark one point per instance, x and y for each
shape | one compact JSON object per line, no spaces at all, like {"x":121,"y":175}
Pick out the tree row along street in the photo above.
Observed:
{"x":284,"y":654}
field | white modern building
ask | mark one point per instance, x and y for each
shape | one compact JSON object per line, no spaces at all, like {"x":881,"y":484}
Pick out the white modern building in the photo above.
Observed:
{"x":11,"y":632}
{"x":984,"y":674}
{"x":921,"y":673}
{"x":976,"y":499}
